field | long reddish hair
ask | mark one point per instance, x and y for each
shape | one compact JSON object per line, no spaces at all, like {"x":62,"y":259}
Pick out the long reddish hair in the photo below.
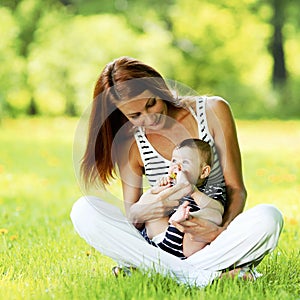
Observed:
{"x":115,"y":84}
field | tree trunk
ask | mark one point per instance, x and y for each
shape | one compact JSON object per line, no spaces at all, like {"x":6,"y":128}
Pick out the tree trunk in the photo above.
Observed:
{"x":279,"y":76}
{"x":32,"y":109}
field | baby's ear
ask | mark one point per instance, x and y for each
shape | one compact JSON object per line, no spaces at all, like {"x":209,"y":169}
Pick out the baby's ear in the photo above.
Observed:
{"x":205,"y":171}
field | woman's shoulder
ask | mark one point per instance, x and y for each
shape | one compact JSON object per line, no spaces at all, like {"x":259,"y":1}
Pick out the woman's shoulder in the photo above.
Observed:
{"x":217,"y":105}
{"x":192,"y":100}
{"x":216,"y":101}
{"x":218,"y":113}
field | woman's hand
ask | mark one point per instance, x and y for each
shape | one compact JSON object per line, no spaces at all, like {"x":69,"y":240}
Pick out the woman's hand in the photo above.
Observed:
{"x":158,"y":202}
{"x":199,"y":230}
{"x":164,"y":181}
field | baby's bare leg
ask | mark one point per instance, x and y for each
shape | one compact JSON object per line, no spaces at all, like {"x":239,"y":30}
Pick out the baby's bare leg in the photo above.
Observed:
{"x":212,"y":212}
{"x":190,"y":247}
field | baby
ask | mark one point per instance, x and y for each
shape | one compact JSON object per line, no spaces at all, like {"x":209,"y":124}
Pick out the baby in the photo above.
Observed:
{"x":191,"y":161}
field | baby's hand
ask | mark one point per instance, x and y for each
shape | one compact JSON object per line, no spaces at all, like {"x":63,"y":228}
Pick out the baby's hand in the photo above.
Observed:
{"x":177,"y":177}
{"x":175,"y":174}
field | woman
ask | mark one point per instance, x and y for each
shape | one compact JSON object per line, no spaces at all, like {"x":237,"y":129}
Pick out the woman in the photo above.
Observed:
{"x":135,"y":123}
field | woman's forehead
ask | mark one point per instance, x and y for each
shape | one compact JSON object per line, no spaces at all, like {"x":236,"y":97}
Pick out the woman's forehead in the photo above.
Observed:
{"x":136,"y":102}
{"x":132,"y":105}
{"x":145,"y":95}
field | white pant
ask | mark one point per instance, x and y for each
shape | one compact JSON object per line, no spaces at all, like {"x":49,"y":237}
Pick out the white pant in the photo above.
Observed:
{"x":248,"y":238}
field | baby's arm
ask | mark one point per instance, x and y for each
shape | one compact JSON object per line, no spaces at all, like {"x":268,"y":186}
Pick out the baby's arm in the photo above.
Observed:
{"x":210,"y":209}
{"x":210,"y":214}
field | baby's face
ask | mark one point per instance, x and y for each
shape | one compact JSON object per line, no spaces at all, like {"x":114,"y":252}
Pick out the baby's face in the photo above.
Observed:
{"x":187,"y":160}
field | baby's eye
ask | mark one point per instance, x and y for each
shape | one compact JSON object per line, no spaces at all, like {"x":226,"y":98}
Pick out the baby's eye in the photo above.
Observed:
{"x":173,"y":161}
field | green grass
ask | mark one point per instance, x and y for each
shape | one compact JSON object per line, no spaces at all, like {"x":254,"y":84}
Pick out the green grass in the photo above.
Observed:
{"x":41,"y":257}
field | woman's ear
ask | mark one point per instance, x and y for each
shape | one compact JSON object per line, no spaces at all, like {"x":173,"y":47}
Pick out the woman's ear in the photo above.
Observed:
{"x":205,"y":171}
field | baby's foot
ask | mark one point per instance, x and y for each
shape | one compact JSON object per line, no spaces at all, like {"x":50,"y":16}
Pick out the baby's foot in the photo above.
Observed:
{"x":182,"y":213}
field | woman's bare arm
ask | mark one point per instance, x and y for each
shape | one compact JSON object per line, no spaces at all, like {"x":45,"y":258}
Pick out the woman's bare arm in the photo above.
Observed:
{"x":222,"y":127}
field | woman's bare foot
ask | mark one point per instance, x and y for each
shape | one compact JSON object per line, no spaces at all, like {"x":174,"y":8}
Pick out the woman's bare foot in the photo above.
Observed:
{"x":122,"y":271}
{"x":242,"y":273}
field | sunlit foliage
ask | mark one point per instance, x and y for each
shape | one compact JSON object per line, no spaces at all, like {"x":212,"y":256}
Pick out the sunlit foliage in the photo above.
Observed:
{"x":51,"y":52}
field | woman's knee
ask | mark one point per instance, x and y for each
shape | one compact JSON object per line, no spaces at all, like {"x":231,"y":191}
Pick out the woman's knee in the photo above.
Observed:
{"x":270,"y":218}
{"x":80,"y":212}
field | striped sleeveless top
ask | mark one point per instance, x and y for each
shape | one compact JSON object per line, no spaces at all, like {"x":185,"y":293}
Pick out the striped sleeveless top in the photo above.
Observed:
{"x":157,"y":166}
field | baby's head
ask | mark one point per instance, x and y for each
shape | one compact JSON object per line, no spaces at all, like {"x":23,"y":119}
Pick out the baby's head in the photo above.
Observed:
{"x":194,"y":158}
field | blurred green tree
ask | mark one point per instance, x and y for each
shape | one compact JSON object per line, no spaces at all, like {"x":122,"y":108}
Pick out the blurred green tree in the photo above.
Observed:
{"x":27,"y":15}
{"x":62,"y":70}
{"x":283,"y":20}
{"x":55,"y":47}
{"x":14,"y":97}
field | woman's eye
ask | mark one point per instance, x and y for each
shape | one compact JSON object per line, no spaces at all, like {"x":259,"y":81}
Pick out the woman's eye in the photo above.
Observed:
{"x":134,"y":117}
{"x":151,"y":102}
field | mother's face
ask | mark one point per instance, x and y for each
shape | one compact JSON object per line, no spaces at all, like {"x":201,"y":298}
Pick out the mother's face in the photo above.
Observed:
{"x":145,"y":110}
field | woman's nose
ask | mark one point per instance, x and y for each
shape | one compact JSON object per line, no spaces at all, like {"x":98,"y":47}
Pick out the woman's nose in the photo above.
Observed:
{"x":148,"y":119}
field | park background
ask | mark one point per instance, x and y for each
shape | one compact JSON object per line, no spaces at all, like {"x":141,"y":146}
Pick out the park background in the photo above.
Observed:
{"x":51,"y":53}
